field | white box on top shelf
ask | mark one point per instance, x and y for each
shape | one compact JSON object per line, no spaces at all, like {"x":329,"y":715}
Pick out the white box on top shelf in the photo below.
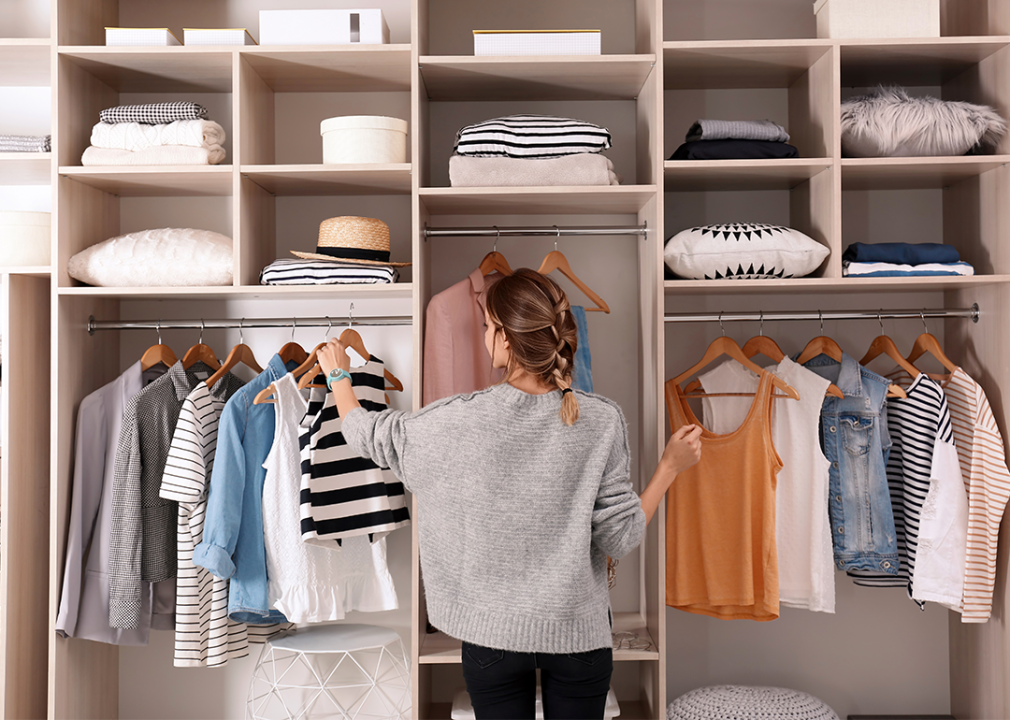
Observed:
{"x":877,"y":18}
{"x":323,"y":27}
{"x":217,"y":36}
{"x":536,"y":42}
{"x":124,"y":37}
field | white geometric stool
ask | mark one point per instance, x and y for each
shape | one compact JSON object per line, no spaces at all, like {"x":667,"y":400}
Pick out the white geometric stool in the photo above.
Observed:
{"x":332,"y":671}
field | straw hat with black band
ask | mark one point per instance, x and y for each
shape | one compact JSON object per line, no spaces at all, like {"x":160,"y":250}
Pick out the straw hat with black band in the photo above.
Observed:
{"x":351,"y":239}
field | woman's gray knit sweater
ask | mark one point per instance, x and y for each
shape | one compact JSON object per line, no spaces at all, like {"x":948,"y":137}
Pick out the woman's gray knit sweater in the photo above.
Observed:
{"x":516,"y":512}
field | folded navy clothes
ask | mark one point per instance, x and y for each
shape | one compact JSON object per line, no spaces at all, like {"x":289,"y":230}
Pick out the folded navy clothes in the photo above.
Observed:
{"x":737,"y":130}
{"x":734,"y":150}
{"x":901,"y":253}
{"x":154,"y":113}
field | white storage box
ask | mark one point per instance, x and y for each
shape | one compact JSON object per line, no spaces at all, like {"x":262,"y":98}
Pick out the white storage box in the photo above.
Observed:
{"x":536,"y":42}
{"x":123,"y":37}
{"x":323,"y":27}
{"x":25,"y":238}
{"x":217,"y":36}
{"x":363,"y":139}
{"x":877,"y":18}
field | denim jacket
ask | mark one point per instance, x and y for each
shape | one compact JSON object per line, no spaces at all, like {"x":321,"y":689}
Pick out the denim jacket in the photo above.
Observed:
{"x":232,"y":545}
{"x":855,"y":441}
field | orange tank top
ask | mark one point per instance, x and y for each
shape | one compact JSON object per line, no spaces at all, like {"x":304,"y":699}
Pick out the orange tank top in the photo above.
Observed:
{"x":721,"y":558}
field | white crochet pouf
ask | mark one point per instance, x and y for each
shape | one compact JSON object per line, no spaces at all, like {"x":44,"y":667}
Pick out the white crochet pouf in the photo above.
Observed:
{"x":744,"y":702}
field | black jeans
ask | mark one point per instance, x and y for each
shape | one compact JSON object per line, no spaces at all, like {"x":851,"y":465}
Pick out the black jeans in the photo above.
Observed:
{"x":503,"y":684}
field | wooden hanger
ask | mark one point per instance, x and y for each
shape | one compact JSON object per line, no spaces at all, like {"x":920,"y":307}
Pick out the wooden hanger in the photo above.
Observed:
{"x":764,"y":345}
{"x":241,"y":353}
{"x":494,"y":261}
{"x":927,"y":343}
{"x":290,"y":352}
{"x":724,"y":345}
{"x":351,"y":339}
{"x":556,"y":260}
{"x":820,"y":345}
{"x":200,"y":353}
{"x":884,"y":345}
{"x":158,"y":354}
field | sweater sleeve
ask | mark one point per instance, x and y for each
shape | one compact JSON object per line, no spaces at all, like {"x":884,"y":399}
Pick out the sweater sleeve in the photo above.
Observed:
{"x":618,"y":518}
{"x":379,"y":436}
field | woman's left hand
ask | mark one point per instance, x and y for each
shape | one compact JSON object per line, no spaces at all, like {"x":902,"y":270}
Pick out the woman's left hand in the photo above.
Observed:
{"x":333,"y":356}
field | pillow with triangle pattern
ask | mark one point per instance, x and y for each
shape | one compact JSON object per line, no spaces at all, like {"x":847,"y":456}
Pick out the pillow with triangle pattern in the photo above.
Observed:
{"x":743,"y":251}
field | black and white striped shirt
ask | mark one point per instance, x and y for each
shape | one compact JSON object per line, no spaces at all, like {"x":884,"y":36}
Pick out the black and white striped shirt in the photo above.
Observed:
{"x":915,"y":424}
{"x":325,"y":272}
{"x":531,"y":136}
{"x":343,"y":494}
{"x":204,"y":634}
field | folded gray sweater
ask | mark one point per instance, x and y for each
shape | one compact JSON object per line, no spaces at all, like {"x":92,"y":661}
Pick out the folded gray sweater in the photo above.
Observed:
{"x":737,"y":130}
{"x":577,"y":169}
{"x":517,"y":512}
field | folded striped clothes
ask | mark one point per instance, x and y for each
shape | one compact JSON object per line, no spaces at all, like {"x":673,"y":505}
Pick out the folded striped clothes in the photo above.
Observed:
{"x":325,"y":272}
{"x":737,"y":130}
{"x":26,"y":143}
{"x":154,"y":113}
{"x":531,"y":136}
{"x":880,"y":269}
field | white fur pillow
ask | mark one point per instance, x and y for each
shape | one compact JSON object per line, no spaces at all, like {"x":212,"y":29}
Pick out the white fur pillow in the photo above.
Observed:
{"x":889,"y":123}
{"x":165,"y":257}
{"x":743,"y":251}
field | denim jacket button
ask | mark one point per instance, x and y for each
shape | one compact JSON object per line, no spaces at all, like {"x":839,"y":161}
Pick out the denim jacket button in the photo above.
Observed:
{"x":841,"y":529}
{"x":832,"y":428}
{"x":838,"y":498}
{"x":886,"y":564}
{"x":841,"y":563}
{"x":835,"y":464}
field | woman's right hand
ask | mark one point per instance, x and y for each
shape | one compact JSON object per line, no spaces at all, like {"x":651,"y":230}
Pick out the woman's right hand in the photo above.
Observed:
{"x":683,"y":450}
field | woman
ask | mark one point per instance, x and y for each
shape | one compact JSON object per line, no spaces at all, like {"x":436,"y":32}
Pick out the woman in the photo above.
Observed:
{"x":523,"y":491}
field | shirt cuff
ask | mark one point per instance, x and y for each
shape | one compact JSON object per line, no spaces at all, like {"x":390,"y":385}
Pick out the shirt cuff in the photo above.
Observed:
{"x":215,"y":559}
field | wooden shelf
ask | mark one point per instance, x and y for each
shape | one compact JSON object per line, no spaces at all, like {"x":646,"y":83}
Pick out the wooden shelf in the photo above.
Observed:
{"x":32,"y":270}
{"x":722,"y":175}
{"x":630,"y":710}
{"x":440,"y":649}
{"x":156,"y":69}
{"x":155,"y":181}
{"x":24,"y":62}
{"x":740,"y":64}
{"x":25,"y":168}
{"x":595,"y":200}
{"x":813,"y":286}
{"x":913,"y":62}
{"x":365,"y":68}
{"x":914,"y":173}
{"x":564,"y":77}
{"x":389,"y":291}
{"x":392,"y":179}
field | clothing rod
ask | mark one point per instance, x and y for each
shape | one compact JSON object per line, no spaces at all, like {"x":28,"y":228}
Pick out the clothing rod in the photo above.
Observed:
{"x":971,"y":313}
{"x":248,"y":323}
{"x":552,"y":231}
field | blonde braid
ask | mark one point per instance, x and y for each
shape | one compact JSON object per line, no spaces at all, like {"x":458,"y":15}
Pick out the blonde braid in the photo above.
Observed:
{"x":561,"y":370}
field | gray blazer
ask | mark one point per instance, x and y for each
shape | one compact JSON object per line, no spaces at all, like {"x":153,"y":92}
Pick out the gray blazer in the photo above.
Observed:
{"x":84,"y":603}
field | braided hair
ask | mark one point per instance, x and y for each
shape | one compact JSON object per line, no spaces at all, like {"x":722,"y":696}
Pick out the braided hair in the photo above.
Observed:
{"x":536,"y":317}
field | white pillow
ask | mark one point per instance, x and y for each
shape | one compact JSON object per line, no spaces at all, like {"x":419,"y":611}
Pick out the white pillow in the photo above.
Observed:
{"x":167,"y":257}
{"x":743,"y":251}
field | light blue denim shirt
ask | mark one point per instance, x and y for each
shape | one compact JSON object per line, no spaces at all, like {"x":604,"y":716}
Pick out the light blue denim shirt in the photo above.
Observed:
{"x":582,"y":372}
{"x":232,"y":545}
{"x":855,"y":441}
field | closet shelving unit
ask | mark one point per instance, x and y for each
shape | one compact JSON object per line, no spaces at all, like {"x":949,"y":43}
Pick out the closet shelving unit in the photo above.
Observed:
{"x":24,"y":410}
{"x":431,"y":75}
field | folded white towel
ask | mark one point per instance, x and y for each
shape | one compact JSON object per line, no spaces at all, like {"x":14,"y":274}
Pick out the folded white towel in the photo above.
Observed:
{"x":578,"y":169}
{"x":135,"y":136}
{"x":875,"y":269}
{"x":160,"y":155}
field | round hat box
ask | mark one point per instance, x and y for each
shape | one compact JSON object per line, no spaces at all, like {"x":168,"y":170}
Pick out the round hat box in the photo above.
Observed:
{"x":354,"y":139}
{"x":25,"y":238}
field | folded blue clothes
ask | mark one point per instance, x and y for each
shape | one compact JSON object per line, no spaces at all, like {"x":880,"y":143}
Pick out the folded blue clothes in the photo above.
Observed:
{"x":901,"y":253}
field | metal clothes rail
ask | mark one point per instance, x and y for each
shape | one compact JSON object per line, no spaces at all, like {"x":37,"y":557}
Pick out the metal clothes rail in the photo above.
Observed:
{"x":552,"y":231}
{"x":971,"y":313}
{"x":248,"y":323}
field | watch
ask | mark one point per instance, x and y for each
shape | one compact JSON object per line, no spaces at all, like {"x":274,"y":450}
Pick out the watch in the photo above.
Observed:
{"x":336,"y":376}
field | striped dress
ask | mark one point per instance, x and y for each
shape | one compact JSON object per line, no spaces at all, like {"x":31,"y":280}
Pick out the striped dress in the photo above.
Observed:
{"x":916,"y":424}
{"x":343,"y":494}
{"x":204,"y":634}
{"x":984,"y":471}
